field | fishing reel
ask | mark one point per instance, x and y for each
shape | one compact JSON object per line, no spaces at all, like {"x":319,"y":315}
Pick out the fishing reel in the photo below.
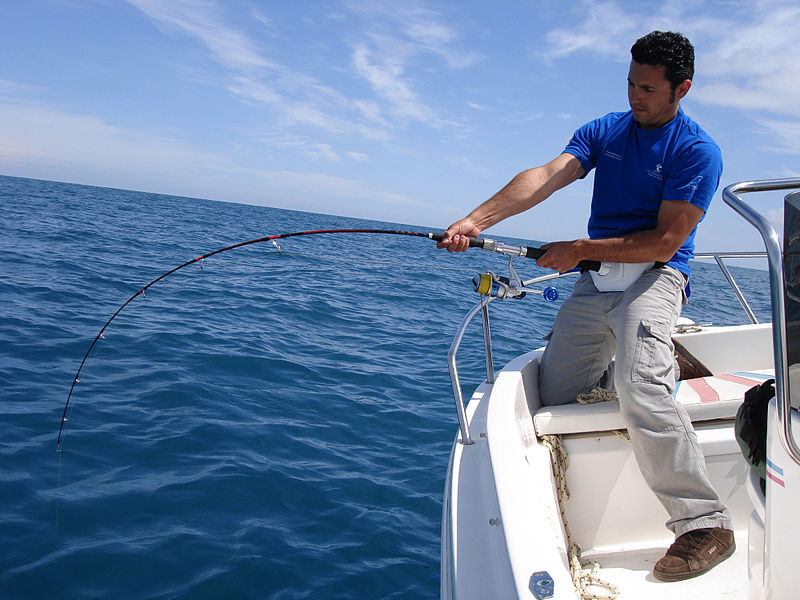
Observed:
{"x":497,"y":286}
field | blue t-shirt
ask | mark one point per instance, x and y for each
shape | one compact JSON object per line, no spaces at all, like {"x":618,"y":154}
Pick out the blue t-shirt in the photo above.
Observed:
{"x":638,"y":168}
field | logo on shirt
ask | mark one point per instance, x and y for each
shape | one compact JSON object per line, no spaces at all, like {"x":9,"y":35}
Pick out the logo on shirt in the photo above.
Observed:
{"x":655,"y":173}
{"x":693,"y":184}
{"x":613,"y":155}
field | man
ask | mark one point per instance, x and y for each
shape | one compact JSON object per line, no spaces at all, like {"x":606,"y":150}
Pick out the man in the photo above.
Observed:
{"x":656,"y":172}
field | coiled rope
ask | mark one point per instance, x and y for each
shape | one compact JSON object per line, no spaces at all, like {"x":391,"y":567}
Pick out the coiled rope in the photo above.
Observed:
{"x":584,"y":574}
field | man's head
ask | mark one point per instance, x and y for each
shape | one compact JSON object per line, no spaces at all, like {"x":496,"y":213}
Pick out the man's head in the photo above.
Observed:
{"x":660,"y":76}
{"x":666,"y":48}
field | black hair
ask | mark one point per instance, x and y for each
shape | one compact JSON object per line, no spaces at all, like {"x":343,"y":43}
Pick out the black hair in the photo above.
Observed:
{"x":666,"y":48}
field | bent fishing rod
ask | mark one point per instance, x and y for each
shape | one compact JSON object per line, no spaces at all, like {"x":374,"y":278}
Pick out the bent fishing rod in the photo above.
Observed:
{"x":487,"y":244}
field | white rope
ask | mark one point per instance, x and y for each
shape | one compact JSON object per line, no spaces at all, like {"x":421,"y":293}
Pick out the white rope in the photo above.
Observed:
{"x":598,"y":394}
{"x":582,"y":578}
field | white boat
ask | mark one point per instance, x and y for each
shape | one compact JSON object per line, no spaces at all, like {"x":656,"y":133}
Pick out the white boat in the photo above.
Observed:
{"x":506,"y":534}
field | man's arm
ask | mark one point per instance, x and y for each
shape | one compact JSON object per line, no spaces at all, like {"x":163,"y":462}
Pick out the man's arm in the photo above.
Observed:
{"x":526,"y":190}
{"x":676,"y":219}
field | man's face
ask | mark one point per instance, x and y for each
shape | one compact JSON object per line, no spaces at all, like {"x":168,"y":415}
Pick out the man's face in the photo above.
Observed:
{"x":651,"y":97}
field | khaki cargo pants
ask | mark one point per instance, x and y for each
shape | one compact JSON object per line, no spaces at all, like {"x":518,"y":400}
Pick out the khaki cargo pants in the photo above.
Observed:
{"x":634,"y":327}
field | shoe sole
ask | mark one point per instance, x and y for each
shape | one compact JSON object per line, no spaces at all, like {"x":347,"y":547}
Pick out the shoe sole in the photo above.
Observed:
{"x":670,"y":577}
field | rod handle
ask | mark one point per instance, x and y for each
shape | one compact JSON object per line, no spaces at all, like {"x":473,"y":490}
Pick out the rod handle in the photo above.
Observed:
{"x":529,"y":251}
{"x":584,"y":265}
{"x":473,"y":241}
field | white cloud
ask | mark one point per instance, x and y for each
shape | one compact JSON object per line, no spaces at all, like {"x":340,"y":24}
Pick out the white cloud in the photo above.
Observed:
{"x":252,"y":89}
{"x":34,"y":131}
{"x":371,"y":111}
{"x":327,"y":186}
{"x":201,"y":20}
{"x":357,"y":156}
{"x":387,"y":80}
{"x":15,"y":87}
{"x":293,"y":98}
{"x":439,"y":39}
{"x":784,"y":135}
{"x":37,"y":140}
{"x":396,"y":40}
{"x":758,"y":67}
{"x":775,"y":217}
{"x":318,"y":152}
{"x":407,"y":29}
{"x":754,"y":68}
{"x":393,"y":36}
{"x":606,"y":29}
{"x":323,"y":152}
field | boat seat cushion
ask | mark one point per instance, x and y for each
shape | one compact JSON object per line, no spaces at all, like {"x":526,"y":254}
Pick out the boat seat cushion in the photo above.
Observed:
{"x":705,"y":399}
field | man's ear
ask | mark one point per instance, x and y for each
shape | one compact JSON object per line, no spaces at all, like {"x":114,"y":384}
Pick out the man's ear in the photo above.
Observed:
{"x":683,"y":88}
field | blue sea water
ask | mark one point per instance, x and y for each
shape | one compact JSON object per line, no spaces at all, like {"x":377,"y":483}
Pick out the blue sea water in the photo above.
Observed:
{"x":271,"y":425}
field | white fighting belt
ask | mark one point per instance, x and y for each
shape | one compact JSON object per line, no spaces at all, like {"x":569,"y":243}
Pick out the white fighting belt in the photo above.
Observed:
{"x":617,"y":277}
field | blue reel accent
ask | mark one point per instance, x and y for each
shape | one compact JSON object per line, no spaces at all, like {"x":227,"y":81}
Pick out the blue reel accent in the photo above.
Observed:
{"x":550,"y":294}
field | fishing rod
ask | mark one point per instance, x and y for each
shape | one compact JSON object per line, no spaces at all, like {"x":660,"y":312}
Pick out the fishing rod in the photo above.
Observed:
{"x":487,"y":244}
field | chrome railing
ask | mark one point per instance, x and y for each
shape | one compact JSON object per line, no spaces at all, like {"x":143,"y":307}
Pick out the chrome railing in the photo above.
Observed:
{"x":483,"y":308}
{"x":718,"y":257}
{"x":775,"y":261}
{"x":451,"y":364}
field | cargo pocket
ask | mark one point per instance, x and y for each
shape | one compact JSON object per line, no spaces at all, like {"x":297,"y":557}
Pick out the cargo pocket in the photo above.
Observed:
{"x":652,"y":359}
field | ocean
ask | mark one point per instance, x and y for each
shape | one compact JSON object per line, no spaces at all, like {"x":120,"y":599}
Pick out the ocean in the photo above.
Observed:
{"x":273,"y":423}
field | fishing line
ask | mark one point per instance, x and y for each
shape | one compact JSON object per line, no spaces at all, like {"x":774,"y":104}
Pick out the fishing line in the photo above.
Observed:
{"x":371,"y":261}
{"x":200,"y":259}
{"x":484,"y":243}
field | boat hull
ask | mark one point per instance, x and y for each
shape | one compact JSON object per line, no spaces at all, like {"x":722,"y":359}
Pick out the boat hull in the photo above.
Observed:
{"x":502,"y":520}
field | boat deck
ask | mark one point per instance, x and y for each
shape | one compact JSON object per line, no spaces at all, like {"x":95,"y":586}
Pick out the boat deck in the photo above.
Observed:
{"x":611,"y":513}
{"x":631,"y":572}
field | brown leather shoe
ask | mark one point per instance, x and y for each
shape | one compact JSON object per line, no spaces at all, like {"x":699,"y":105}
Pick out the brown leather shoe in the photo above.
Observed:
{"x":694,"y":553}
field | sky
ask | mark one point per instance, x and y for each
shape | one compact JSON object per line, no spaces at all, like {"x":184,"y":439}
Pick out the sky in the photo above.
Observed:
{"x":410,"y":112}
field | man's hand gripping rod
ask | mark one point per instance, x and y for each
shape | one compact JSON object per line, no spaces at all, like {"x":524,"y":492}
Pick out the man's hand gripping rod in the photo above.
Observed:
{"x":491,"y":245}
